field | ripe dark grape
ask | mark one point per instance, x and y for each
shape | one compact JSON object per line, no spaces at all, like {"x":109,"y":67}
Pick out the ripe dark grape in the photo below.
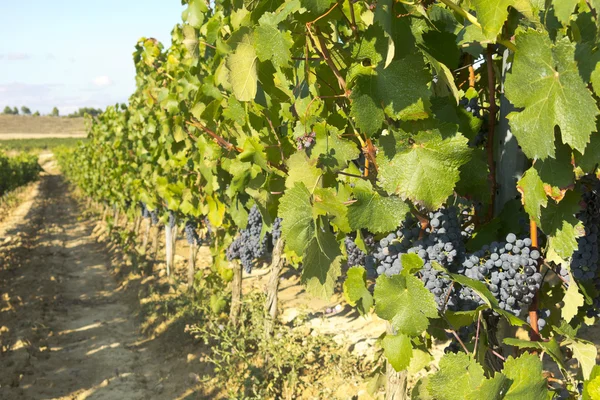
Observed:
{"x":471,"y":106}
{"x":510,"y":271}
{"x":305,"y":141}
{"x":276,"y":230}
{"x":154,"y":217}
{"x":249,"y":246}
{"x":356,"y":257}
{"x":191,"y":233}
{"x":172,"y":220}
{"x":145,"y":212}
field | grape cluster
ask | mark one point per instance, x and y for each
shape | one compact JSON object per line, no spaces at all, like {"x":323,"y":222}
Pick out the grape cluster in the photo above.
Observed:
{"x":145,"y":212}
{"x":471,"y":105}
{"x":584,"y":263}
{"x":249,"y":246}
{"x":357,"y":257}
{"x":154,"y":217}
{"x":305,"y":141}
{"x":440,"y":242}
{"x":191,"y":233}
{"x":482,"y":135}
{"x":510,"y":271}
{"x":276,"y":230}
{"x":172,"y":220}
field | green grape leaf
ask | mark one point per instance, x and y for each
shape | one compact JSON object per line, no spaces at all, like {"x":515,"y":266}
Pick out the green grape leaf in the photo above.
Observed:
{"x":195,"y":13}
{"x":327,"y":202}
{"x":573,"y":300}
{"x":556,"y":173}
{"x":474,"y":177}
{"x":592,"y":389}
{"x":410,"y":263}
{"x":321,"y":264}
{"x":401,"y":89}
{"x":551,"y":347}
{"x":458,"y":377}
{"x":316,"y":6}
{"x":590,"y":159}
{"x":491,"y":14}
{"x":355,"y":289}
{"x":272,"y":44}
{"x":545,"y":82}
{"x":527,"y":379}
{"x":585,"y":353}
{"x":398,"y":350}
{"x":427,"y":172}
{"x":420,"y":359}
{"x":242,"y":70}
{"x":564,"y":240}
{"x":563,"y":9}
{"x":375,"y":212}
{"x":405,"y":302}
{"x":534,"y":195}
{"x":491,"y":389}
{"x":371,"y":46}
{"x":298,"y":226}
{"x":302,"y":169}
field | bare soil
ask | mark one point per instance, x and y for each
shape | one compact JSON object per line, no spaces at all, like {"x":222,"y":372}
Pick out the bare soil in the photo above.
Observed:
{"x":67,"y":330}
{"x":29,"y":127}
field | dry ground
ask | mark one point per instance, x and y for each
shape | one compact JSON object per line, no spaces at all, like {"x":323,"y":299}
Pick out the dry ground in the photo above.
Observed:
{"x":28,"y":127}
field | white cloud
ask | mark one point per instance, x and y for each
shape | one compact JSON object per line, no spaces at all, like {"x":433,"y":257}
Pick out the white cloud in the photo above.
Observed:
{"x":102,"y":81}
{"x":14,"y":56}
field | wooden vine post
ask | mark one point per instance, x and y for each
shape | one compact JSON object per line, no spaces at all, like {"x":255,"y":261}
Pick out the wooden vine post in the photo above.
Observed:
{"x":236,"y":293}
{"x":271,"y":310}
{"x":191,"y":272}
{"x":396,"y":382}
{"x":170,"y":240}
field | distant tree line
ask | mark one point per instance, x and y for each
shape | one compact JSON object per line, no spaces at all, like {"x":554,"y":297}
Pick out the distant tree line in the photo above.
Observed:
{"x":54,"y":113}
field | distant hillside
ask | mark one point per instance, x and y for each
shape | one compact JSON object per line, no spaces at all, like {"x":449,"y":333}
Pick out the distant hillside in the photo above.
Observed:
{"x":28,"y":126}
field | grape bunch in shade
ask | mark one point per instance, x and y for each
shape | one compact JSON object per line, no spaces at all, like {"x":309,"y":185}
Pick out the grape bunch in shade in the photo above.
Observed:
{"x":145,"y":212}
{"x":154,"y":217}
{"x":172,"y":220}
{"x":191,"y":233}
{"x":471,"y":106}
{"x":249,"y":246}
{"x":465,"y":334}
{"x":510,"y":271}
{"x":584,"y":262}
{"x":357,"y":257}
{"x":276,"y":230}
{"x":306,"y":141}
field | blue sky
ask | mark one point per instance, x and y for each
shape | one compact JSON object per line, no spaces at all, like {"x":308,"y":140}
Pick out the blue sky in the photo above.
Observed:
{"x":73,"y":54}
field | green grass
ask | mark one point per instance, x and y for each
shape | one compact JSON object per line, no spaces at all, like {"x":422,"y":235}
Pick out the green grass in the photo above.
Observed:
{"x":38,"y":144}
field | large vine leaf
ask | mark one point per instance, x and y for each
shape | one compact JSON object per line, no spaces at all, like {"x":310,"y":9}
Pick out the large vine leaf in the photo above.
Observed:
{"x":401,"y":90}
{"x":272,"y":44}
{"x":355,"y":289}
{"x":405,"y":302}
{"x":563,"y":9}
{"x":585,"y":353}
{"x":427,"y":172}
{"x":398,"y":350}
{"x":534,"y":195}
{"x":321,"y":264}
{"x":545,"y":82}
{"x":298,"y":226}
{"x":491,"y":14}
{"x":573,"y":300}
{"x":526,"y":374}
{"x":242,"y":70}
{"x":459,"y":375}
{"x":375,"y":212}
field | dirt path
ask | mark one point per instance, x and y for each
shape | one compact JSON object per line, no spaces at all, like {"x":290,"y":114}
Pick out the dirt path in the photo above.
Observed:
{"x":66,"y":330}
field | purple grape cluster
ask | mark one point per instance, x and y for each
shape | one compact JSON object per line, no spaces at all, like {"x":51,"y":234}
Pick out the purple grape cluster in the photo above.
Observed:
{"x":191,"y":233}
{"x":249,"y":246}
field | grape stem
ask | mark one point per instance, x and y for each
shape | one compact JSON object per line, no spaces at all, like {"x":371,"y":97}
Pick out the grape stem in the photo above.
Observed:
{"x":457,"y":338}
{"x":492,"y":126}
{"x":494,"y":352}
{"x":477,"y":334}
